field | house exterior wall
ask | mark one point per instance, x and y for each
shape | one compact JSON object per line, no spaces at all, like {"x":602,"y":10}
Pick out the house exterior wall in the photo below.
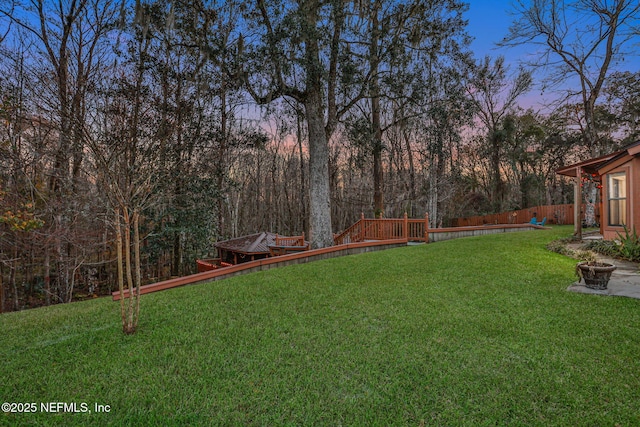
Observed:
{"x":632,"y":170}
{"x":635,"y":196}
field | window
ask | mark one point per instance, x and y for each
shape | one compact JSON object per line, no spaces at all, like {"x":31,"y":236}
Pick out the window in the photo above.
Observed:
{"x":617,"y":193}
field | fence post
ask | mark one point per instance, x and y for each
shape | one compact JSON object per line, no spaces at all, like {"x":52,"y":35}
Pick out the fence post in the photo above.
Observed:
{"x":362,"y":226}
{"x":426,"y":227}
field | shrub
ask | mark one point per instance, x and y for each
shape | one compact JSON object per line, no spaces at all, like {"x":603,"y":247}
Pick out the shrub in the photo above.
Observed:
{"x":604,"y":247}
{"x":629,"y":247}
{"x":560,"y":247}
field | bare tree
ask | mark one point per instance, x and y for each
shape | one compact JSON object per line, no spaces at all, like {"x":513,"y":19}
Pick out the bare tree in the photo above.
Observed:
{"x":495,"y":97}
{"x":623,"y":97}
{"x":580,"y":40}
{"x":68,"y":40}
{"x":305,"y":50}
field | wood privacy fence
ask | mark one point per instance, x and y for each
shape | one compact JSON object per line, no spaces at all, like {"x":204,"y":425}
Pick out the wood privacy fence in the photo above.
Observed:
{"x":555,"y":214}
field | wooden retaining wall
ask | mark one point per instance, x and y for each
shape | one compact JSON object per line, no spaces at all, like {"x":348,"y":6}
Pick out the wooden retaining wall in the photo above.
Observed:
{"x":268,"y":263}
{"x":386,"y":235}
{"x":441,"y":234}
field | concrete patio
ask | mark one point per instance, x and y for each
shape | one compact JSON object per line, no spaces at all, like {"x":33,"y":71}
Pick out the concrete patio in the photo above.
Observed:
{"x":624,"y":282}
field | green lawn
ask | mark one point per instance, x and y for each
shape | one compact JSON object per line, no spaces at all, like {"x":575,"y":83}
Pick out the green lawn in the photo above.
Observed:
{"x":476,"y":331}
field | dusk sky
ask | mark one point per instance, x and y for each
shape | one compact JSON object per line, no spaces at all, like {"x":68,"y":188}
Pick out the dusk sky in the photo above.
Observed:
{"x":489,"y":22}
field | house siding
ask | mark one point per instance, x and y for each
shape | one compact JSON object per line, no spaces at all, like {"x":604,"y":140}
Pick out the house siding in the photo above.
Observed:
{"x":626,"y":160}
{"x":632,"y":170}
{"x":634,"y":182}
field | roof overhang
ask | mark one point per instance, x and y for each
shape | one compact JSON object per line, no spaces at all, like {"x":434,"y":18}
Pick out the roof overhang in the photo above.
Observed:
{"x":590,"y":166}
{"x":624,"y":156}
{"x":599,"y":165}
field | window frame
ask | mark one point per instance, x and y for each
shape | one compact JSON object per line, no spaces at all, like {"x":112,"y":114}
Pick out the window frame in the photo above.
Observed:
{"x":620,"y":200}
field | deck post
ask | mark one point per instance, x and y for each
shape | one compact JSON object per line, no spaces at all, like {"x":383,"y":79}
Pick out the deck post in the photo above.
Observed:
{"x":405,"y":232}
{"x":426,"y":227}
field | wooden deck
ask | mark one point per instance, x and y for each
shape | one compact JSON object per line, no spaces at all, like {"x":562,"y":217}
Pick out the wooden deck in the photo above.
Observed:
{"x":288,"y":244}
{"x":413,"y":230}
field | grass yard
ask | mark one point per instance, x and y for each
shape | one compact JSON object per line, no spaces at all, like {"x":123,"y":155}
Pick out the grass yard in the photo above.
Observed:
{"x":476,"y":331}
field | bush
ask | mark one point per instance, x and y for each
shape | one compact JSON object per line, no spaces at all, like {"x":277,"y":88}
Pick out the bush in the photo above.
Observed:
{"x":604,"y":247}
{"x":560,"y":247}
{"x":629,"y":247}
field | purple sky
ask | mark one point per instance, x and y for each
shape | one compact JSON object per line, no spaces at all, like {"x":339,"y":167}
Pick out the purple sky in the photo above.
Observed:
{"x":489,"y":22}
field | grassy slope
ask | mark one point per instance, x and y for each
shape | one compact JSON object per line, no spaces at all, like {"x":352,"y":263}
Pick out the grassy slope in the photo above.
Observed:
{"x":475,"y":331}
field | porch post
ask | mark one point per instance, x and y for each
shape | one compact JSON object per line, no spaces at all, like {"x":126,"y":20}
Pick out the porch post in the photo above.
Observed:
{"x":577,"y":204}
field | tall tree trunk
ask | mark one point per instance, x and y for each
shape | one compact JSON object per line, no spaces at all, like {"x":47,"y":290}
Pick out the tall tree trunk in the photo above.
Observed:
{"x":303,"y":179}
{"x":2,"y":296}
{"x":222,"y":151}
{"x":378,"y":171}
{"x":432,"y":198}
{"x":137,"y":265}
{"x":440,"y":170}
{"x":47,"y":277}
{"x":374,"y":87}
{"x":497,"y":186}
{"x":120,"y":261}
{"x":128,"y":270}
{"x":62,"y":279}
{"x":319,"y":191}
{"x":13,"y":279}
{"x":177,"y":253}
{"x":412,"y":168}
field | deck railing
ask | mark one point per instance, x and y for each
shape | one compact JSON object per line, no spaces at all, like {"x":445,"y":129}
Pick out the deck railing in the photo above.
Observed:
{"x":385,"y":229}
{"x":417,"y":230}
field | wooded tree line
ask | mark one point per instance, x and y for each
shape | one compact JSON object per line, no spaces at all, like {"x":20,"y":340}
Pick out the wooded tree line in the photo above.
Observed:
{"x":168,"y":125}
